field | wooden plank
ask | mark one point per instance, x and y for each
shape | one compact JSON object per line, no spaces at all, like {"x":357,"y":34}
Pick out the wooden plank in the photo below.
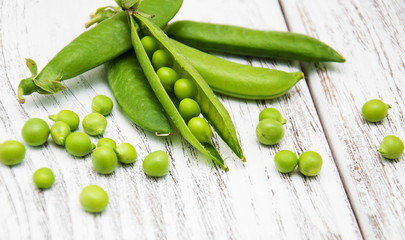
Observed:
{"x":371,"y":35}
{"x":196,"y":200}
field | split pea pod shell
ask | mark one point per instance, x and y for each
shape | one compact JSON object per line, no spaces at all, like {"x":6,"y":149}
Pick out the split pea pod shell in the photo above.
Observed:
{"x":92,"y":48}
{"x":134,"y":95}
{"x":211,"y":107}
{"x":250,"y":42}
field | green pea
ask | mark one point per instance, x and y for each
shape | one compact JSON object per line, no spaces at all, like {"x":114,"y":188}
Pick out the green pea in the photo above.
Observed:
{"x":78,"y":144}
{"x":391,"y":147}
{"x":286,"y":161}
{"x":104,"y":160}
{"x":43,"y":178}
{"x":150,"y":45}
{"x":310,"y":163}
{"x":269,"y":132}
{"x":68,"y":117}
{"x":156,"y":164}
{"x":93,"y":199}
{"x":35,"y":132}
{"x":185,"y":88}
{"x":102,"y":104}
{"x":108,"y":142}
{"x":162,"y":58}
{"x":200,"y":129}
{"x":126,"y":153}
{"x":189,"y":108}
{"x":94,"y":124}
{"x":11,"y":152}
{"x":272,"y":113}
{"x":59,"y":132}
{"x":375,"y":110}
{"x":167,"y":77}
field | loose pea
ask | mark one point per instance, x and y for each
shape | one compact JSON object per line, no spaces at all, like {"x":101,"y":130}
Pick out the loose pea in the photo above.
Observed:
{"x":150,"y":45}
{"x":108,"y":142}
{"x":200,"y":129}
{"x":185,"y":88}
{"x":59,"y":132}
{"x":286,"y":161}
{"x":35,"y":132}
{"x":375,"y":110}
{"x":104,"y":160}
{"x":167,"y":77}
{"x":102,"y":104}
{"x":272,"y":113}
{"x":93,"y":199}
{"x":310,"y":163}
{"x":94,"y":124}
{"x":78,"y":144}
{"x":189,"y":108}
{"x":156,"y":164}
{"x":11,"y":152}
{"x":162,"y":58}
{"x":391,"y":147}
{"x":269,"y":132}
{"x":126,"y":153}
{"x":68,"y":117}
{"x":43,"y":178}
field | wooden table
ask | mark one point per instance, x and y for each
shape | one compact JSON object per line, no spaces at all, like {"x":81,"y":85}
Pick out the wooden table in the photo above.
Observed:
{"x":358,"y":194}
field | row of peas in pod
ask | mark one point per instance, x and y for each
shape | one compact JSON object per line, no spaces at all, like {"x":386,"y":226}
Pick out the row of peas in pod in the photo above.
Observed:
{"x":184,"y":89}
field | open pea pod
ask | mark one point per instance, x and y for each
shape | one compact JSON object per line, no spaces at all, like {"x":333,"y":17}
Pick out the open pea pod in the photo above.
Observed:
{"x":211,"y":107}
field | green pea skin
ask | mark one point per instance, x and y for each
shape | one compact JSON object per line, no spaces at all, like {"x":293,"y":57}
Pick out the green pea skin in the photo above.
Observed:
{"x":59,"y":132}
{"x":391,"y":147}
{"x":200,"y":129}
{"x":162,"y":58}
{"x":107,"y":142}
{"x":43,"y":178}
{"x":167,"y":77}
{"x":11,"y":152}
{"x":104,"y":160}
{"x":269,"y":132}
{"x":93,"y":199}
{"x":150,"y":45}
{"x":68,"y":117}
{"x":102,"y":104}
{"x":375,"y":110}
{"x":189,"y":108}
{"x":185,"y":88}
{"x":94,"y":124}
{"x":126,"y":153}
{"x":272,"y":113}
{"x":310,"y":163}
{"x":35,"y":132}
{"x":285,"y":161}
{"x":79,"y":144}
{"x":156,"y":164}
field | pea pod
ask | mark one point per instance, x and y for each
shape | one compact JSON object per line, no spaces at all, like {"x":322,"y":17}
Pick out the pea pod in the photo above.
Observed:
{"x":211,"y":107}
{"x":249,"y":42}
{"x":134,"y":95}
{"x":92,"y":48}
{"x":239,"y":80}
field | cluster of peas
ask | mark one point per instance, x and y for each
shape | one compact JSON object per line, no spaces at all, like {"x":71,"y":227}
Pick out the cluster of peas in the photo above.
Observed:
{"x":184,"y":89}
{"x":105,"y":157}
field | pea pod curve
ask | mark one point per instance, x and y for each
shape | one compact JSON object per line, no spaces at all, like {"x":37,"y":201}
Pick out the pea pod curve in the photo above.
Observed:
{"x":238,"y":80}
{"x":211,"y":107}
{"x":92,"y":48}
{"x":134,"y":95}
{"x":250,"y":42}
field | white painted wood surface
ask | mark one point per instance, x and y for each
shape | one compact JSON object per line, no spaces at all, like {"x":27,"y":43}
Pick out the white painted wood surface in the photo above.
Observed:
{"x":196,"y":200}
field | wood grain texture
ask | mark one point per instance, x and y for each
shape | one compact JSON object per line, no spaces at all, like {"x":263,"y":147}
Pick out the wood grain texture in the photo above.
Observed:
{"x":196,"y":200}
{"x":371,"y":35}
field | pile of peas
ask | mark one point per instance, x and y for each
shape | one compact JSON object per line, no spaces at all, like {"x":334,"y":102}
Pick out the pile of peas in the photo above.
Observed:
{"x":184,"y":89}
